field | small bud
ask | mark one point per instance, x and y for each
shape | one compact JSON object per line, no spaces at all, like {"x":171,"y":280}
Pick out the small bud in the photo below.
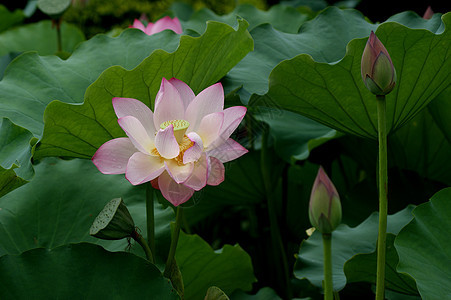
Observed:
{"x":325,"y":206}
{"x":114,"y":222}
{"x":378,"y":72}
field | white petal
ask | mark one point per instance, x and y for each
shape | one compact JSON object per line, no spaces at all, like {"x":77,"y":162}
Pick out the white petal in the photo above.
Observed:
{"x":137,"y":133}
{"x":216,"y":171}
{"x":168,"y":104}
{"x":232,"y":118}
{"x":209,"y":127}
{"x":186,"y":93}
{"x":112,"y":157}
{"x":172,"y":191}
{"x":198,"y":178}
{"x":228,"y":151}
{"x":166,"y":143}
{"x":143,"y":168}
{"x":193,"y":153}
{"x":206,"y":102}
{"x":179,"y":173}
{"x":132,"y":107}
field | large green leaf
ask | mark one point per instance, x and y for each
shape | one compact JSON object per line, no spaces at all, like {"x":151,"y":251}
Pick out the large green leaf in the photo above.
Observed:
{"x":229,"y":268}
{"x":346,"y":243}
{"x":362,"y":268}
{"x":422,"y":146}
{"x":8,"y":18}
{"x":324,"y":38}
{"x":440,"y":109}
{"x":32,"y":81}
{"x":59,"y":205}
{"x":81,"y":271}
{"x":78,"y":130}
{"x":40,"y":37}
{"x":424,"y":247}
{"x":281,"y":17}
{"x":334,"y":94}
{"x":294,"y":135}
{"x":15,"y":155}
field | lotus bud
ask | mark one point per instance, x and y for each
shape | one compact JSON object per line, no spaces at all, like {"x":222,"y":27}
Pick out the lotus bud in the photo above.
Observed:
{"x":325,"y":206}
{"x":114,"y":222}
{"x":378,"y":72}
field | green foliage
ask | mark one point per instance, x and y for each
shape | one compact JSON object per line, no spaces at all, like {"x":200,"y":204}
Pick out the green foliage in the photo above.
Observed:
{"x":219,"y":48}
{"x":229,"y":268}
{"x":424,"y":247}
{"x":346,"y":242}
{"x":40,"y":37}
{"x":80,"y":271}
{"x":9,"y":19}
{"x":333,"y":94}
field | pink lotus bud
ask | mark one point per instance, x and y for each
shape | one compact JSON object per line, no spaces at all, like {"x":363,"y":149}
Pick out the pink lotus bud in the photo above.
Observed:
{"x":428,"y":13}
{"x":378,"y":72}
{"x":325,"y":206}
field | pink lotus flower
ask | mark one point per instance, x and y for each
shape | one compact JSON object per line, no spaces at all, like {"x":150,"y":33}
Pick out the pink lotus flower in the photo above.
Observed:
{"x":160,"y":25}
{"x":184,"y":142}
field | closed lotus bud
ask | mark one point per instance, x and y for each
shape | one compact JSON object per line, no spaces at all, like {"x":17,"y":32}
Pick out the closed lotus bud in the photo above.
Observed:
{"x":114,"y":222}
{"x":325,"y":206}
{"x":378,"y":72}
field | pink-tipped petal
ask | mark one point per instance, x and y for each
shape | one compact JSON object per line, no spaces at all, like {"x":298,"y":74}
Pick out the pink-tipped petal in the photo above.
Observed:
{"x":149,"y":28}
{"x":210,"y":127}
{"x":112,"y":157}
{"x":137,"y":24}
{"x":228,"y":151}
{"x":137,"y":133}
{"x":167,"y":23}
{"x":232,"y":118}
{"x":143,"y":168}
{"x":166,"y":143}
{"x":168,"y":104}
{"x":216,"y":171}
{"x":208,"y":101}
{"x":131,"y":107}
{"x":186,"y":93}
{"x":172,"y":191}
{"x":194,"y":152}
{"x":198,"y":178}
{"x":179,"y":173}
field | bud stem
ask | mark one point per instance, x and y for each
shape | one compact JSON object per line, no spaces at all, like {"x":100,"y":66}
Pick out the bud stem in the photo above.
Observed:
{"x":171,"y":270}
{"x":328,"y":282}
{"x":150,"y":218}
{"x":383,"y":206}
{"x":139,"y":238}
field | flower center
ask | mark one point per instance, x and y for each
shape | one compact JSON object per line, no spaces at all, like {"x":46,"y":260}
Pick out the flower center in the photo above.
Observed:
{"x":180,"y":127}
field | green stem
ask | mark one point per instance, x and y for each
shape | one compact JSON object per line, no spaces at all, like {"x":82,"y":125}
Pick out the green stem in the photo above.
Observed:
{"x":272,"y":212}
{"x":139,"y":238}
{"x":150,"y":217}
{"x":174,"y":240}
{"x":58,"y":35}
{"x":383,"y":206}
{"x":328,"y":283}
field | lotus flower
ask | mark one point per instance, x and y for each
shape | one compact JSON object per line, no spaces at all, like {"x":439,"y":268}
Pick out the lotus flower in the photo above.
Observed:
{"x":183,"y":143}
{"x":160,"y":25}
{"x":324,"y":206}
{"x":378,"y":72}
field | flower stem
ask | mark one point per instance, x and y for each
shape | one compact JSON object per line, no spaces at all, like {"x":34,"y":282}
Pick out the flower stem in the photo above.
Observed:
{"x":383,"y":206}
{"x":139,"y":238}
{"x":150,"y":219}
{"x":328,"y":283}
{"x":171,"y":270}
{"x":58,"y":35}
